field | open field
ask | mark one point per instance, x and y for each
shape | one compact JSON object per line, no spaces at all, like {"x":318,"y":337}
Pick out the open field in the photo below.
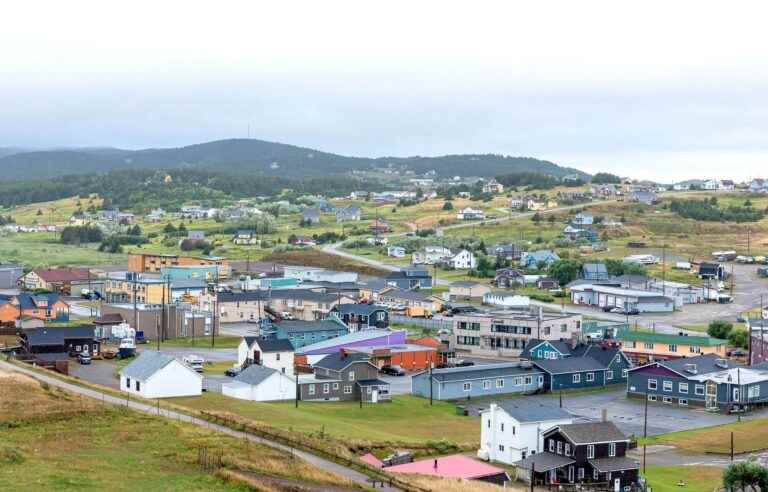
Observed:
{"x":53,"y":212}
{"x":222,"y":341}
{"x":53,"y":440}
{"x":312,"y":257}
{"x":748,"y":435}
{"x":699,"y":478}
{"x":39,"y":249}
{"x":406,"y":419}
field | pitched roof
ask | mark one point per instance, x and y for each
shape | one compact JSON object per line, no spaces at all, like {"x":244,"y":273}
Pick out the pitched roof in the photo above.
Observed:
{"x":255,"y":374}
{"x":109,"y":319}
{"x":62,"y":274}
{"x":569,"y":364}
{"x":272,"y":344}
{"x":544,"y":462}
{"x":648,"y":337}
{"x":338,"y":361}
{"x":359,"y":309}
{"x":304,"y":295}
{"x":561,"y":346}
{"x":528,"y":410}
{"x":358,"y":338}
{"x":411,"y":295}
{"x":484,"y":370}
{"x":617,"y":463}
{"x":704,"y":363}
{"x":455,"y":466}
{"x":148,"y":363}
{"x":253,"y":295}
{"x":57,"y":336}
{"x":592,"y":432}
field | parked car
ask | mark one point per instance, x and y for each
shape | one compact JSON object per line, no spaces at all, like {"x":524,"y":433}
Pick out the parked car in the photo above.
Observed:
{"x":608,"y":309}
{"x":232,"y":371}
{"x":84,"y":358}
{"x":463,"y":363}
{"x":393,"y":370}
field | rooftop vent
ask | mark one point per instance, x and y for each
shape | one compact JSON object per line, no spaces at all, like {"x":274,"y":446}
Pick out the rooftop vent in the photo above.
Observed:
{"x":690,"y":368}
{"x":722,"y":363}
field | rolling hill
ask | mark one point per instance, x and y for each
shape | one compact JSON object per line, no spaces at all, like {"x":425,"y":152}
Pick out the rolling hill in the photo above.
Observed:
{"x":257,"y":156}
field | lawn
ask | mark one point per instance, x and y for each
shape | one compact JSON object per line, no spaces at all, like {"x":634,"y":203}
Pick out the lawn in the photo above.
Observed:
{"x":748,"y":435}
{"x":405,"y":419}
{"x":53,"y":212}
{"x":40,"y":249}
{"x":76,"y":443}
{"x":698,"y":478}
{"x":221,"y":341}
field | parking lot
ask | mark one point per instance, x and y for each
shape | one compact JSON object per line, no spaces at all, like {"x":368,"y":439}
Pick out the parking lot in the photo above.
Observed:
{"x":627,"y":414}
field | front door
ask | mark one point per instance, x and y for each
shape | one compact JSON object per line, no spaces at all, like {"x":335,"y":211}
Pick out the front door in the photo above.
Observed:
{"x":617,"y":485}
{"x":570,"y":474}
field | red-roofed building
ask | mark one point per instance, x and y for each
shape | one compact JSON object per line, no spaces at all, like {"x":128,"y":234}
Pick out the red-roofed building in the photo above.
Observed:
{"x":454,"y":466}
{"x":55,"y":279}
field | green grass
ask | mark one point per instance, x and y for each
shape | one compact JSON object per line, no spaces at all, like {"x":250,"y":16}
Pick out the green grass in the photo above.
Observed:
{"x":748,"y":435}
{"x":40,"y":249}
{"x":698,"y":478}
{"x":221,"y":341}
{"x":405,"y":419}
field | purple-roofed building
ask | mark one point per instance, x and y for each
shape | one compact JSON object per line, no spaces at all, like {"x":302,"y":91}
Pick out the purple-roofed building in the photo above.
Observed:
{"x":364,"y":338}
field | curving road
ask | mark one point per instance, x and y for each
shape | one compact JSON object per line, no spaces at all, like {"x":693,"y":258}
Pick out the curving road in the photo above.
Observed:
{"x":142,"y":407}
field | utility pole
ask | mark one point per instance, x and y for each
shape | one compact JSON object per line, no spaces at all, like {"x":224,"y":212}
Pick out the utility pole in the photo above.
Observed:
{"x":298,"y":393}
{"x":431,"y":383}
{"x":738,"y":383}
{"x":645,"y":428}
{"x":162,"y":318}
{"x":664,"y":269}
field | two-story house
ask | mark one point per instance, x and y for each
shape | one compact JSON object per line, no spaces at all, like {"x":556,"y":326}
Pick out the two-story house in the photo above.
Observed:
{"x":342,"y":377}
{"x":366,"y":316}
{"x":410,"y":278}
{"x":644,"y":347}
{"x":45,"y":307}
{"x":274,"y":353}
{"x":586,"y":453}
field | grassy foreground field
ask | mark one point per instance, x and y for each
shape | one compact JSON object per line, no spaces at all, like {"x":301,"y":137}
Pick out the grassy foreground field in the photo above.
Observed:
{"x":697,"y":478}
{"x":406,"y":419}
{"x":748,"y":435}
{"x":40,"y":249}
{"x":54,"y":440}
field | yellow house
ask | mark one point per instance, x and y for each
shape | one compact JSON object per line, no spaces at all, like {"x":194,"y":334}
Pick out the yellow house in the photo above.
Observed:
{"x":122,"y":287}
{"x":643,"y":347}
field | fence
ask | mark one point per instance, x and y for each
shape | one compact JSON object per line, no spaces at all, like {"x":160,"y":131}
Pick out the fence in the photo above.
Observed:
{"x":431,"y":324}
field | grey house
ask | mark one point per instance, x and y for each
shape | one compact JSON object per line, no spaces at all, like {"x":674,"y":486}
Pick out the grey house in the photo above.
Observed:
{"x":351,"y":212}
{"x":343,"y":376}
{"x":456,"y":383}
{"x":311,"y":215}
{"x":10,"y":274}
{"x":707,"y":381}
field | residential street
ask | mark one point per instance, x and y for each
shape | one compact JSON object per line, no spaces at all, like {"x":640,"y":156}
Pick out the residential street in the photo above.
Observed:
{"x":310,"y":458}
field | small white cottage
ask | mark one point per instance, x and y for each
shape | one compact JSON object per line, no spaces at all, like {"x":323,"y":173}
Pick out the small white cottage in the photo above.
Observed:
{"x":157,"y":375}
{"x":259,"y":383}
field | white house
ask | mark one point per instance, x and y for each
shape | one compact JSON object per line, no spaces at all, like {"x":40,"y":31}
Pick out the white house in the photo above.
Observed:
{"x":470,"y":213}
{"x":157,"y":375}
{"x":463,"y":260}
{"x":316,"y":274}
{"x":396,"y":251}
{"x":512,"y":431}
{"x":259,"y":383}
{"x":710,"y":185}
{"x":430,"y":255}
{"x":272,"y":353}
{"x":726,"y":185}
{"x":506,"y":299}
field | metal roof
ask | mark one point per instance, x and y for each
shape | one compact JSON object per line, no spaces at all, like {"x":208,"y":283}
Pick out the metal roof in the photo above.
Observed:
{"x":482,"y":371}
{"x":57,"y":336}
{"x":568,"y":365}
{"x":592,"y":432}
{"x":527,"y":410}
{"x":338,"y":361}
{"x":544,"y":462}
{"x":644,"y":336}
{"x":271,"y":344}
{"x":255,"y":374}
{"x":148,"y":363}
{"x":297,"y":326}
{"x":356,"y":338}
{"x":617,"y":463}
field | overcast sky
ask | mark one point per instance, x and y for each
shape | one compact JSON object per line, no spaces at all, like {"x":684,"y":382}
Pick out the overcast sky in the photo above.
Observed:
{"x":664,"y":90}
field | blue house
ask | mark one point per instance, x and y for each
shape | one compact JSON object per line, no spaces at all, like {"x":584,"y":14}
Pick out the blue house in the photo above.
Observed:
{"x":586,"y":366}
{"x":537,"y":349}
{"x":410,"y":278}
{"x":455,"y":383}
{"x":707,"y":381}
{"x":582,"y":219}
{"x":532,"y":259}
{"x":302,"y":333}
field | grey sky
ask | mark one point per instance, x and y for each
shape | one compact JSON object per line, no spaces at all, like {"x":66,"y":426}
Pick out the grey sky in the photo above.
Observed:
{"x":663,"y":91}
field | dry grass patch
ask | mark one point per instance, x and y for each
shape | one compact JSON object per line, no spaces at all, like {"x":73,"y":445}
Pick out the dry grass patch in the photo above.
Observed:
{"x":317,"y":258}
{"x":748,"y":435}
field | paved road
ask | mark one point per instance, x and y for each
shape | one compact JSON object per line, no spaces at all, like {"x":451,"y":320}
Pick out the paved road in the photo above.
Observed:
{"x":310,"y":458}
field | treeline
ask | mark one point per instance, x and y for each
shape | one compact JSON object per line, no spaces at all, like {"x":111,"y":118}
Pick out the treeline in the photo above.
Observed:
{"x":536,"y":180}
{"x":142,"y":190}
{"x":708,"y":210}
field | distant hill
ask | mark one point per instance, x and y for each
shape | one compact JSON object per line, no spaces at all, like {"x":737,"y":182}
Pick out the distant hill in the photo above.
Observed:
{"x":258,"y":156}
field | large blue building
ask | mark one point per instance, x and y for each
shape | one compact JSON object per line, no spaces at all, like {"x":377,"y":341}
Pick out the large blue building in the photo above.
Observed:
{"x":302,"y":333}
{"x":708,"y":381}
{"x":568,"y":366}
{"x":457,"y":383}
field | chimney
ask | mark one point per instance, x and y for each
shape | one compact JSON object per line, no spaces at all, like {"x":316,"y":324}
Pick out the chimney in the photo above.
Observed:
{"x":604,"y":415}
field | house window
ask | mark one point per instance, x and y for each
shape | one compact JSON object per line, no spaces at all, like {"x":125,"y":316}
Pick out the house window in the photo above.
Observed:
{"x":682,"y":387}
{"x":673,"y":348}
{"x":541,"y":379}
{"x":311,"y":389}
{"x":277,"y":356}
{"x":559,"y":447}
{"x":467,"y":386}
{"x":486,"y":385}
{"x":608,"y":374}
{"x":624,"y":373}
{"x":528,"y":380}
{"x":347,"y":389}
{"x":695,"y":349}
{"x":668,"y":399}
{"x":577,"y":378}
{"x":138,"y":386}
{"x":590,"y":376}
{"x":683,"y":402}
{"x":648,"y":346}
{"x":551,"y":445}
{"x":502,"y":427}
{"x":489,"y":423}
{"x":667,"y":385}
{"x":351,"y":375}
{"x":753,"y":391}
{"x":499,"y":383}
{"x":501,"y":448}
{"x":651,"y":397}
{"x":699,"y":389}
{"x":595,"y":474}
{"x":612,"y":449}
{"x":567,"y":449}
{"x":590,"y":451}
{"x":652,"y":384}
{"x":581,"y":473}
{"x":128,"y":383}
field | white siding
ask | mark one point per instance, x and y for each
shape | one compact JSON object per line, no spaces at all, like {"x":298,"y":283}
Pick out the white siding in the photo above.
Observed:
{"x":175,"y":379}
{"x":276,"y":387}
